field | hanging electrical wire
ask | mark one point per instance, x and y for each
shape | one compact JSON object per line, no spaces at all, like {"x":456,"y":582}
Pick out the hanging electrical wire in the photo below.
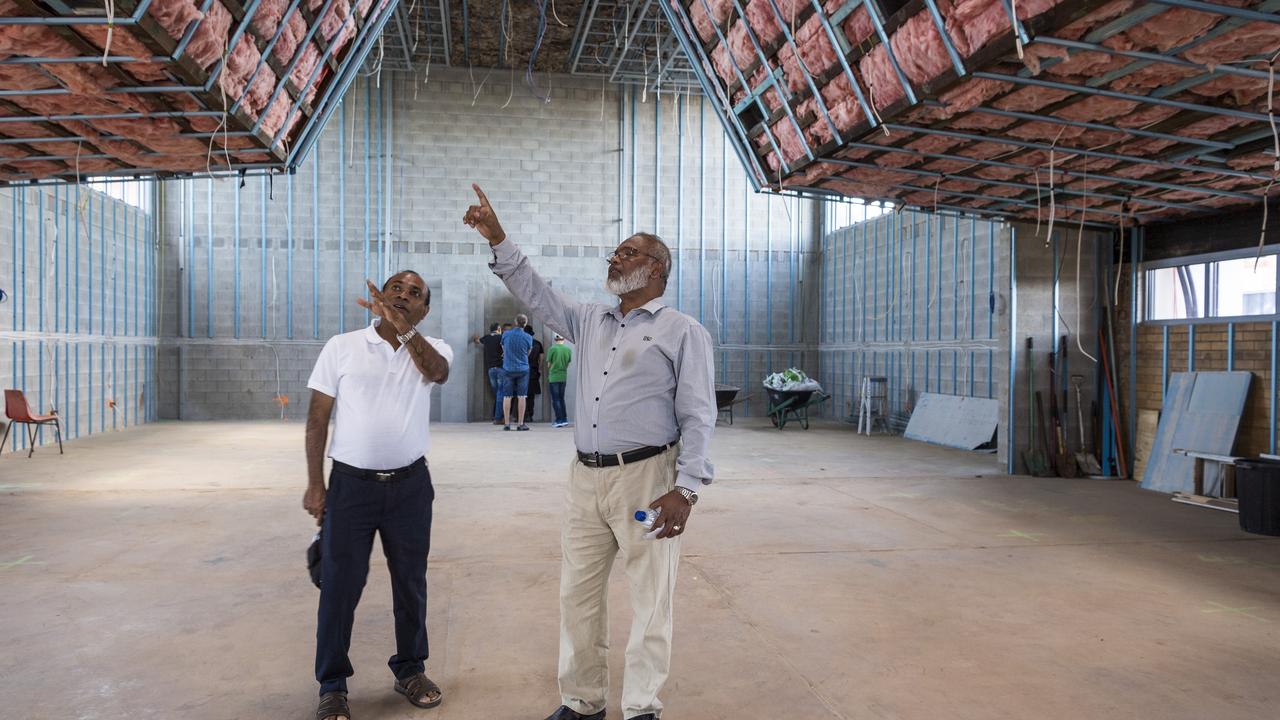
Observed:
{"x":1079,"y":250}
{"x":1052,"y":207}
{"x":417,"y":26}
{"x":1036,"y":172}
{"x":223,"y":125}
{"x":657,"y":69}
{"x":644,"y":88}
{"x":511,"y":91}
{"x":1123,"y":214}
{"x":533,"y":56}
{"x":1275,"y":164}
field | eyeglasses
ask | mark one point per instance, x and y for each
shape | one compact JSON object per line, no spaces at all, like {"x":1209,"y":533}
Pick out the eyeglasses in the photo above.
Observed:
{"x":626,"y":254}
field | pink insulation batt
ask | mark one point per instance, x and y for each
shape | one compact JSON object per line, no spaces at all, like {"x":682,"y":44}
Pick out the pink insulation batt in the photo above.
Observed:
{"x":162,"y":143}
{"x":968,"y":104}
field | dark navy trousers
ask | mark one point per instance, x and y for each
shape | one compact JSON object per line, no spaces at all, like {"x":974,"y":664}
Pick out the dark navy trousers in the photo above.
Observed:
{"x":399,"y":511}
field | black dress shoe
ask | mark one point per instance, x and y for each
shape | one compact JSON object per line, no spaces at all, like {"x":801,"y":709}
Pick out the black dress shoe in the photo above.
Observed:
{"x":646,"y":716}
{"x":567,"y":713}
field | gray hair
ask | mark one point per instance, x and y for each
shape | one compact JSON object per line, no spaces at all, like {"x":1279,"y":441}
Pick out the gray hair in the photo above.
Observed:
{"x":522,"y":320}
{"x":660,"y":251}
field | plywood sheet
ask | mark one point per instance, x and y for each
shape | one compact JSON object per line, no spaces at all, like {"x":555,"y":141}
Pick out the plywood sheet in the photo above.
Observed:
{"x":953,"y":421}
{"x":1201,"y":413}
{"x":1148,"y":421}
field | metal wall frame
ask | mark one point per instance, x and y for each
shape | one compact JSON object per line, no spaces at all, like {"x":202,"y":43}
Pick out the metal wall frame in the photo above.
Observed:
{"x":64,"y":248}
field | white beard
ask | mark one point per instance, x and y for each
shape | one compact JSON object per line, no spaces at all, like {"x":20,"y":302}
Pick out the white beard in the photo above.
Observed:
{"x":636,"y":280}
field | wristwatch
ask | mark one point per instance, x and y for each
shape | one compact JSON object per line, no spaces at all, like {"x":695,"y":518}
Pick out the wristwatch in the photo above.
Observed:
{"x":690,"y":496}
{"x":405,"y":338}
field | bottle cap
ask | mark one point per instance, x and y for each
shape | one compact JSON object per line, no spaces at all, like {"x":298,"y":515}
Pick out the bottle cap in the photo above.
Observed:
{"x":640,"y":515}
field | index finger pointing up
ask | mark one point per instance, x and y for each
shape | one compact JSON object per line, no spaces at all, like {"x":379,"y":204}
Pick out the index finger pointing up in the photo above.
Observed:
{"x":484,"y":201}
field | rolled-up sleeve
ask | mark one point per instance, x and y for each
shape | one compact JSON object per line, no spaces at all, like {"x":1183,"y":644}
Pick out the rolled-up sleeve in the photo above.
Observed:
{"x":544,"y":302}
{"x":695,"y":406}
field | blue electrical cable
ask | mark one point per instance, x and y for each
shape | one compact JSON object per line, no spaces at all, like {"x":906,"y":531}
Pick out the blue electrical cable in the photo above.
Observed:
{"x":533,"y":56}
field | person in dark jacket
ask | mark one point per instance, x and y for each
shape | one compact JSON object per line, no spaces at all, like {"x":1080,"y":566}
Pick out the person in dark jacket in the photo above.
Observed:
{"x":535,"y":373}
{"x":492,"y":347}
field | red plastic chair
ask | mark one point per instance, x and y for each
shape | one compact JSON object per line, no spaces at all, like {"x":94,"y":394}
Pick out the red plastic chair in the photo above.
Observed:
{"x":19,"y":412}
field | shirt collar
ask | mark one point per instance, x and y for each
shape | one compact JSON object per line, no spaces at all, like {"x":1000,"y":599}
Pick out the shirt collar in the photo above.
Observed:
{"x":652,"y":307}
{"x":371,"y":332}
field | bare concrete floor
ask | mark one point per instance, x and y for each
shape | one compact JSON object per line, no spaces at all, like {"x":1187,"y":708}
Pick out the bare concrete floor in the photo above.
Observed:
{"x":158,"y":573}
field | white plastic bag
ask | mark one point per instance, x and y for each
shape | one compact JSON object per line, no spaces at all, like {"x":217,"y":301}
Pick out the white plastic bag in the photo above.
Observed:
{"x":791,"y":379}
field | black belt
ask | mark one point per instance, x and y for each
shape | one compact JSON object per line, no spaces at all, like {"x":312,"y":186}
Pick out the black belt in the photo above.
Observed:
{"x":611,"y":459}
{"x":381,"y":475}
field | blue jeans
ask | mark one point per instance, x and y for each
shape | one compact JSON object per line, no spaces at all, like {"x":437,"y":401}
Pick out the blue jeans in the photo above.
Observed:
{"x":516,"y":383}
{"x":496,"y":380}
{"x":557,"y":401}
{"x":400,"y":512}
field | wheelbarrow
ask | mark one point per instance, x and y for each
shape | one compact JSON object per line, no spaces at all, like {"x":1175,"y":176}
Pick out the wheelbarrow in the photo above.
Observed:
{"x":725,"y":399}
{"x":787,"y":405}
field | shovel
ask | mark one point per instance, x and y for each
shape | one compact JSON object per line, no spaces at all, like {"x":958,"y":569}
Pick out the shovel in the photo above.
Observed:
{"x":1033,"y":457}
{"x":1087,"y":462}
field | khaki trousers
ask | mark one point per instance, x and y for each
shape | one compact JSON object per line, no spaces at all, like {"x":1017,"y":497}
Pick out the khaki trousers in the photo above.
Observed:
{"x":600,"y":521}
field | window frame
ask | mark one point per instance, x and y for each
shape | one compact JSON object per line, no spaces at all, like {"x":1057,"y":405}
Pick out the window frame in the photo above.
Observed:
{"x":1210,"y":290}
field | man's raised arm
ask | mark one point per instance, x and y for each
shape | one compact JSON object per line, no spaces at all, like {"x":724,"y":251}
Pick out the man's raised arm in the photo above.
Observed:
{"x":559,"y":312}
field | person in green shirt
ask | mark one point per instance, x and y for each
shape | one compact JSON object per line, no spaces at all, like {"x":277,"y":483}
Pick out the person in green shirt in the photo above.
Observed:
{"x":558,"y":359}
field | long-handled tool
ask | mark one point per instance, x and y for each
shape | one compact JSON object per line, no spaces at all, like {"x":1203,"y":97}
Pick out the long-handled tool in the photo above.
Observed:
{"x":1063,"y":462}
{"x":1085,"y":459}
{"x":1108,"y":373}
{"x":1044,"y":439}
{"x":1032,"y":457}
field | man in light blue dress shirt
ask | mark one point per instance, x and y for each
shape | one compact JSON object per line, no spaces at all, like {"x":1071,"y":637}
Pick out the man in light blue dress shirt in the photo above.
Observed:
{"x":645,"y":407}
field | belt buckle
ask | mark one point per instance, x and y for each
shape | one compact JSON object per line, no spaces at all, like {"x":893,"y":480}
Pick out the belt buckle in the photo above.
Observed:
{"x":384,"y":476}
{"x":595,"y":457}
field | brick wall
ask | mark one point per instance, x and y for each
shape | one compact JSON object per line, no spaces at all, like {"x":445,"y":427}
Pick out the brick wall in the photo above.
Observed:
{"x":1251,"y":352}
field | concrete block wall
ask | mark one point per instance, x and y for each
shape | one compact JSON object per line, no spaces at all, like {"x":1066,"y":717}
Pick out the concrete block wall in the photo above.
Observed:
{"x":77,"y":330}
{"x":385,"y":190}
{"x":1052,"y":302}
{"x":930,"y":302}
{"x":916,"y":298}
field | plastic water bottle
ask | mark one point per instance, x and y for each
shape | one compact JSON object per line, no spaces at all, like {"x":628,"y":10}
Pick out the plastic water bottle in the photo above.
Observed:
{"x":648,"y":518}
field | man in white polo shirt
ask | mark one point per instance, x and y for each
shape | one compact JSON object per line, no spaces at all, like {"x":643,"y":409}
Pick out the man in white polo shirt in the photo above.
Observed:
{"x":379,"y":380}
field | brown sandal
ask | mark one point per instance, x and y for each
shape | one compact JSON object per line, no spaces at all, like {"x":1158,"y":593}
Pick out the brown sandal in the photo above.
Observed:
{"x":333,"y":705}
{"x":419,"y":685}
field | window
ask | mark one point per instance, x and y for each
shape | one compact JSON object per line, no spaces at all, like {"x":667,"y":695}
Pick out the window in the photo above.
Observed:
{"x":1243,"y":286}
{"x":1176,"y":293}
{"x":1242,"y":289}
{"x":842,"y":213}
{"x":133,"y":192}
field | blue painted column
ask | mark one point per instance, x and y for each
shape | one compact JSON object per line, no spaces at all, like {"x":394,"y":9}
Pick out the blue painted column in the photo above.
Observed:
{"x":208,"y":271}
{"x":235,"y":259}
{"x":262,"y":274}
{"x":1012,"y":452}
{"x":342,"y":219}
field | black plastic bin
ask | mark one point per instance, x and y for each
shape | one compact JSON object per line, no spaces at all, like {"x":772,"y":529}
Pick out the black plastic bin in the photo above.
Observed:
{"x":1258,"y":492}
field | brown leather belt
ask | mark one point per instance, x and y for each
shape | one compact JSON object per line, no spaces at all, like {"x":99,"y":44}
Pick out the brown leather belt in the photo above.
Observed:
{"x":613,"y":459}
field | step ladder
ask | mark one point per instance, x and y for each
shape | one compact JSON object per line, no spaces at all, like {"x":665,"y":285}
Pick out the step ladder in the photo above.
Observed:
{"x":873,"y":408}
